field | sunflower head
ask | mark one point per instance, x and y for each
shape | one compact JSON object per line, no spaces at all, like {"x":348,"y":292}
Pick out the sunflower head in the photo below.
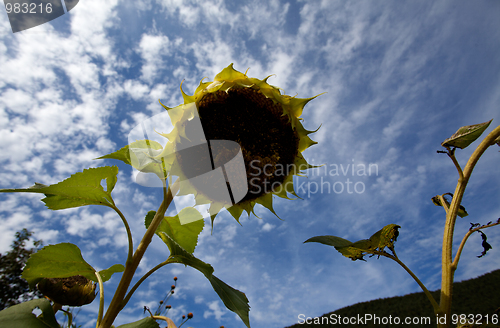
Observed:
{"x":240,"y":136}
{"x":71,"y":291}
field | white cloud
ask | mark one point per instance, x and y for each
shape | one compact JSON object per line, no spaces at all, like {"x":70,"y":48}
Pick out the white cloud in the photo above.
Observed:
{"x":214,"y":310}
{"x":151,"y":49}
{"x":267,"y":227}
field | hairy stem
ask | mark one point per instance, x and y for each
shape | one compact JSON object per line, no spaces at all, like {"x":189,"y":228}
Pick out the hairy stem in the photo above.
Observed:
{"x":448,"y":268}
{"x":138,"y":283}
{"x":117,"y":303}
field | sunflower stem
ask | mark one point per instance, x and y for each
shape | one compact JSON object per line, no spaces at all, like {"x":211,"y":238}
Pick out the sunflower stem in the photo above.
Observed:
{"x":118,"y":301}
{"x":448,"y":265}
{"x":424,"y":289}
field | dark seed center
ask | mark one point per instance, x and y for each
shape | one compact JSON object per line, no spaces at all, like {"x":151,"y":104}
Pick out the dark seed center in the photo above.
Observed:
{"x":268,"y":142}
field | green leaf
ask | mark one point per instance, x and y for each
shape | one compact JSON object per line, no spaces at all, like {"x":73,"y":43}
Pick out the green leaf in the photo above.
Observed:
{"x":149,"y":218}
{"x":180,"y":255}
{"x":147,"y":322}
{"x":106,"y":274}
{"x":175,"y":236}
{"x":143,"y":156}
{"x":466,"y":135}
{"x":233,"y":299}
{"x":82,"y":188}
{"x":343,"y":246}
{"x":385,"y":237}
{"x":122,"y":154}
{"x":330,"y":241}
{"x":57,"y":261}
{"x":21,"y":315}
{"x":186,"y":235}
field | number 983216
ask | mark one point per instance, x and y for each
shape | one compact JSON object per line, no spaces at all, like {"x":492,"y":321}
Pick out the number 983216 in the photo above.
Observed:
{"x":28,"y":8}
{"x":474,"y":319}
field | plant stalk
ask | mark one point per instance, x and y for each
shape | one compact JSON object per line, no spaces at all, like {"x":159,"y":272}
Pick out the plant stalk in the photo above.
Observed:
{"x":448,"y":267}
{"x":101,"y":299}
{"x":424,"y":289}
{"x":117,"y":303}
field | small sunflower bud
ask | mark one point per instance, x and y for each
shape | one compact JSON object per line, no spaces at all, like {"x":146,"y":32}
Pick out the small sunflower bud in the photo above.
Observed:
{"x":71,"y":291}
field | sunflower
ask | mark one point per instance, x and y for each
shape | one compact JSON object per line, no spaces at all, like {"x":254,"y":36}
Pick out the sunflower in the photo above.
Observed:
{"x":71,"y":291}
{"x":241,"y":116}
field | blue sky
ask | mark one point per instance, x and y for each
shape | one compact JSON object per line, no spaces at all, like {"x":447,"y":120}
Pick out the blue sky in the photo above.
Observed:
{"x":400,"y":77}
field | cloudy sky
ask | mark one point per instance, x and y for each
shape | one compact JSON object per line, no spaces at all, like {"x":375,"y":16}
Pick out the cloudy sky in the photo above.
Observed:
{"x":399,"y":76}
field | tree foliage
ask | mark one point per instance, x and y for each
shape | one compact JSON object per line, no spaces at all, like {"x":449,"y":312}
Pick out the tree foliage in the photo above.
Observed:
{"x":14,"y":289}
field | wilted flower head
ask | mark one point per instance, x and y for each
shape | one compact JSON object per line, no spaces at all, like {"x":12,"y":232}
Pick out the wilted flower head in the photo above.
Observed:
{"x":71,"y":291}
{"x":239,"y":115}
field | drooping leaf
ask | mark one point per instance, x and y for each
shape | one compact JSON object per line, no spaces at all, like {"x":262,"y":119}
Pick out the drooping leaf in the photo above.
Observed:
{"x":233,"y":299}
{"x":485,"y":244}
{"x":82,"y":188}
{"x":171,"y":232}
{"x":461,"y":210}
{"x":466,"y":135}
{"x":147,"y":322}
{"x":180,"y":255}
{"x":385,"y":237}
{"x":21,"y":315}
{"x":61,"y":261}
